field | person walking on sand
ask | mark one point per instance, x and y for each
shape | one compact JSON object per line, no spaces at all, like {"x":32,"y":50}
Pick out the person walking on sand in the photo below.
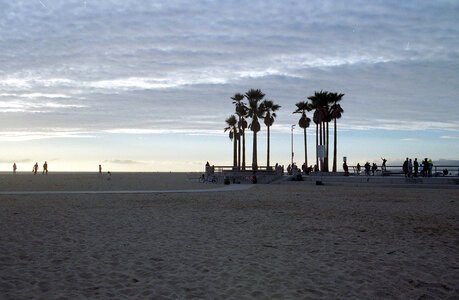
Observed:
{"x":45,"y":168}
{"x":14,"y":168}
{"x":35,"y":168}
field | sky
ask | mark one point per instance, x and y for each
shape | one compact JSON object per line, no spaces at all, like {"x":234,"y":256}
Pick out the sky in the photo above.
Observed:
{"x":146,"y":85}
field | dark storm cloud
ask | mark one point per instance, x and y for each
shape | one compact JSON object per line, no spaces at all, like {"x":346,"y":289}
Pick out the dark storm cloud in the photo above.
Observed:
{"x":136,"y":65}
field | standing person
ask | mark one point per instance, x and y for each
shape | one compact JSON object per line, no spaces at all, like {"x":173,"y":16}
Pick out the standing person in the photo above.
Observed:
{"x":405,"y":167}
{"x":100,"y":169}
{"x":430,"y":167}
{"x":374,"y":167}
{"x":367,"y":168}
{"x":416,"y":167}
{"x":35,"y":168}
{"x":358,"y":168}
{"x":346,"y":169}
{"x":14,"y":168}
{"x":410,"y":168}
{"x":45,"y":168}
{"x":425,"y":167}
{"x":383,"y":167}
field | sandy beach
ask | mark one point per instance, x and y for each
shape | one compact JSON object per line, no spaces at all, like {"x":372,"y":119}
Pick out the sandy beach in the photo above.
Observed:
{"x":278,"y":241}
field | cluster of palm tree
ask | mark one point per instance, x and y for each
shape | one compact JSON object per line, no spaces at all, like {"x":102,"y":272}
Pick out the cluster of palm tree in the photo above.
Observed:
{"x":255,"y":109}
{"x":326,"y":108}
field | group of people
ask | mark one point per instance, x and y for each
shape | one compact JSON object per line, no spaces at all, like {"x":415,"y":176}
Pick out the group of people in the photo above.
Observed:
{"x":293,"y":169}
{"x":34,"y":168}
{"x":369,"y":169}
{"x":413,"y":168}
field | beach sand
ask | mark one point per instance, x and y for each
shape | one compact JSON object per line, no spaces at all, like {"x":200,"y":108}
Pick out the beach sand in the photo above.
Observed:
{"x":279,"y":241}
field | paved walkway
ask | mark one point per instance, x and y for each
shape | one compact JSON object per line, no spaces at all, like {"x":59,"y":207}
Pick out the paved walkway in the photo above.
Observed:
{"x":228,"y":188}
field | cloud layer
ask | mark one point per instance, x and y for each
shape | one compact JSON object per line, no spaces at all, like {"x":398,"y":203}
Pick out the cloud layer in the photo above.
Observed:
{"x":171,"y":66}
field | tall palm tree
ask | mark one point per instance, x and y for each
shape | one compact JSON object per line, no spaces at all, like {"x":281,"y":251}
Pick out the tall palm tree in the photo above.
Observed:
{"x":320,"y":103}
{"x":269,"y":109}
{"x":255,"y":112}
{"x":233,"y":133}
{"x":335,"y":113}
{"x":241,"y":112}
{"x":304,"y":122}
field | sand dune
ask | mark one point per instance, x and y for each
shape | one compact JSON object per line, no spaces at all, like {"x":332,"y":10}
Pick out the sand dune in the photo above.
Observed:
{"x":272,"y":241}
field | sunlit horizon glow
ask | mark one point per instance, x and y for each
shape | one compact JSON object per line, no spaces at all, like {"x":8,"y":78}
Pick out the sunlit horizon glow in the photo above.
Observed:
{"x":139,"y":86}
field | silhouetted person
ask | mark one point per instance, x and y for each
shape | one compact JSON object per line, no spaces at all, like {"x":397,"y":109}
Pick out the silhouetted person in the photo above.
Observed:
{"x":14,"y":168}
{"x":358,"y":168}
{"x":346,"y":169}
{"x":416,"y":167}
{"x":383,"y":167}
{"x":367,"y":168}
{"x":410,"y":168}
{"x":45,"y":168}
{"x":425,"y":167}
{"x":445,"y":172}
{"x":100,"y":169}
{"x":405,"y":167}
{"x":35,"y":168}
{"x":374,"y":167}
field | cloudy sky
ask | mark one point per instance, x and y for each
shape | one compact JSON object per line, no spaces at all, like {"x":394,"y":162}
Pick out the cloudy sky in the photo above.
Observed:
{"x":146,"y":85}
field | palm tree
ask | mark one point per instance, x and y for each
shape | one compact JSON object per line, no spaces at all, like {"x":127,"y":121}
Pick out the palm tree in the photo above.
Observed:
{"x":304,"y":122}
{"x":269,"y":109}
{"x":335,"y":113}
{"x":232,"y":128}
{"x":320,"y":104}
{"x":241,"y":112}
{"x":255,"y":112}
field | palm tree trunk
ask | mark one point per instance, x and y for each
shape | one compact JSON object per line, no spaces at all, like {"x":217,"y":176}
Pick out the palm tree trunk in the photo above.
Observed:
{"x":267,"y":159}
{"x":243,"y":149}
{"x":317,"y":145}
{"x":235,"y":151}
{"x":328,"y":138}
{"x":254,"y":152}
{"x":305,"y":149}
{"x":321,"y":143}
{"x":334,"y":148}
{"x":239,"y":150}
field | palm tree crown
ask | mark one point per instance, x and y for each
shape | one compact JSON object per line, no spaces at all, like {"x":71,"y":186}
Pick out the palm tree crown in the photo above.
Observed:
{"x":269,"y":110}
